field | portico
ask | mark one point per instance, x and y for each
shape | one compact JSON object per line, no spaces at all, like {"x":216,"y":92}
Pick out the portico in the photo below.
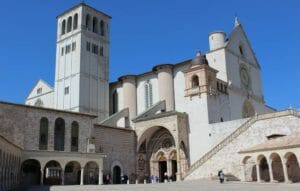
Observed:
{"x":62,"y":168}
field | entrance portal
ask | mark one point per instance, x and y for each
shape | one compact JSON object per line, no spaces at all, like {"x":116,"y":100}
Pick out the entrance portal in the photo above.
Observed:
{"x":116,"y":175}
{"x":162,"y":170}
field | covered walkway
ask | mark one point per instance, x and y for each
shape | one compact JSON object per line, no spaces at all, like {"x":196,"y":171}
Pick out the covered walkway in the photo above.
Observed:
{"x":276,"y":160}
{"x":61,"y":168}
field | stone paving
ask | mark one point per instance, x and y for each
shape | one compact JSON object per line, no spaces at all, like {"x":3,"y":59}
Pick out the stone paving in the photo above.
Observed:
{"x":201,"y":185}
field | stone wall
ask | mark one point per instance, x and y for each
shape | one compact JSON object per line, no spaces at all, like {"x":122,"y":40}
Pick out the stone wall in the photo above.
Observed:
{"x":10,"y":164}
{"x":228,"y":157}
{"x":119,"y":146}
{"x":21,"y":125}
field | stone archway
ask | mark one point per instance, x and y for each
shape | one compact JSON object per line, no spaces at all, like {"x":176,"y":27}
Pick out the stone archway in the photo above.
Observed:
{"x":263,"y":168}
{"x":249,"y":171}
{"x":91,"y":173}
{"x":277,"y":168}
{"x":292,"y":165}
{"x":116,"y":174}
{"x":154,"y":153}
{"x":31,"y":172}
{"x":72,"y":173}
{"x":53,"y":174}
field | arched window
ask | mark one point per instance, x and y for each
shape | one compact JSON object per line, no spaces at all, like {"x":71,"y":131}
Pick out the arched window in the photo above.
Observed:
{"x":115,"y":102}
{"x":102,"y":28}
{"x":87,"y":22}
{"x":75,"y":25}
{"x":59,"y":135}
{"x":148,"y":94}
{"x":195,"y":81}
{"x":69,"y":24}
{"x":43,"y":144}
{"x":63,"y":27}
{"x":74,"y":136}
{"x":95,"y":25}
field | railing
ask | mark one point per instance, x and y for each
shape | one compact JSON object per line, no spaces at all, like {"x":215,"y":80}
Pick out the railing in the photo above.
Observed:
{"x":236,"y":133}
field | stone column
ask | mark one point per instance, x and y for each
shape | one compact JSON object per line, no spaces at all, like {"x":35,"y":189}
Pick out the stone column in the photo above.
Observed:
{"x":258,"y":172}
{"x":270,"y":170}
{"x":100,"y":176}
{"x":62,"y":177}
{"x":129,"y":94}
{"x":81,"y":175}
{"x":243,"y":173}
{"x":169,"y":167}
{"x":42,"y":177}
{"x":166,"y":85}
{"x":285,"y":172}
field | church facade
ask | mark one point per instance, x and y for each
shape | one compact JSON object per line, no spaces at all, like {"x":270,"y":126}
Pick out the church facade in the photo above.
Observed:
{"x":185,"y":120}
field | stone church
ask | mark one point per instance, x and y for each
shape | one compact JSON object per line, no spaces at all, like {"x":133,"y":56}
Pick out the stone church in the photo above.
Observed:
{"x":187,"y":120}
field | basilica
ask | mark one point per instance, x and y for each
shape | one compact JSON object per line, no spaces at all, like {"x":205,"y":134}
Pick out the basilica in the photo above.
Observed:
{"x":185,"y":120}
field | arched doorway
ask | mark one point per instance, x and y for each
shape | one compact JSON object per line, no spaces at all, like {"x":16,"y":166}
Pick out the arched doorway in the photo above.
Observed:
{"x":91,"y":173}
{"x":292,"y":166}
{"x":53,"y":173}
{"x":72,"y":173}
{"x":155,"y":158}
{"x":277,"y":167}
{"x":116,"y":175}
{"x":250,"y":173}
{"x":31,"y":172}
{"x":162,"y":166}
{"x":263,"y":169}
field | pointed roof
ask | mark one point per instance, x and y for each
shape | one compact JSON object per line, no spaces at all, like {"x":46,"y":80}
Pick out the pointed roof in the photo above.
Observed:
{"x":42,"y":82}
{"x":236,"y":29}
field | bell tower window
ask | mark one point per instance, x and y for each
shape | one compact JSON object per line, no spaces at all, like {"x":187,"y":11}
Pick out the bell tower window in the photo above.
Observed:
{"x":75,"y":25}
{"x":195,"y":81}
{"x":63,"y":27}
{"x":69,"y":24}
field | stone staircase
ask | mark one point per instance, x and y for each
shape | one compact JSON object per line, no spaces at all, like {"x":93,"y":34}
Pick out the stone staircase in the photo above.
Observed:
{"x":244,"y":127}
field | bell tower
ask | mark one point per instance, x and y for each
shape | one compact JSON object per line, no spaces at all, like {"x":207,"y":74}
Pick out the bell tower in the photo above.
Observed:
{"x":82,"y":61}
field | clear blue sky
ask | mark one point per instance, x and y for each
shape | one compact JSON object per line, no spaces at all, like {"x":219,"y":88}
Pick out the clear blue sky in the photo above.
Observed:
{"x":145,"y":33}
